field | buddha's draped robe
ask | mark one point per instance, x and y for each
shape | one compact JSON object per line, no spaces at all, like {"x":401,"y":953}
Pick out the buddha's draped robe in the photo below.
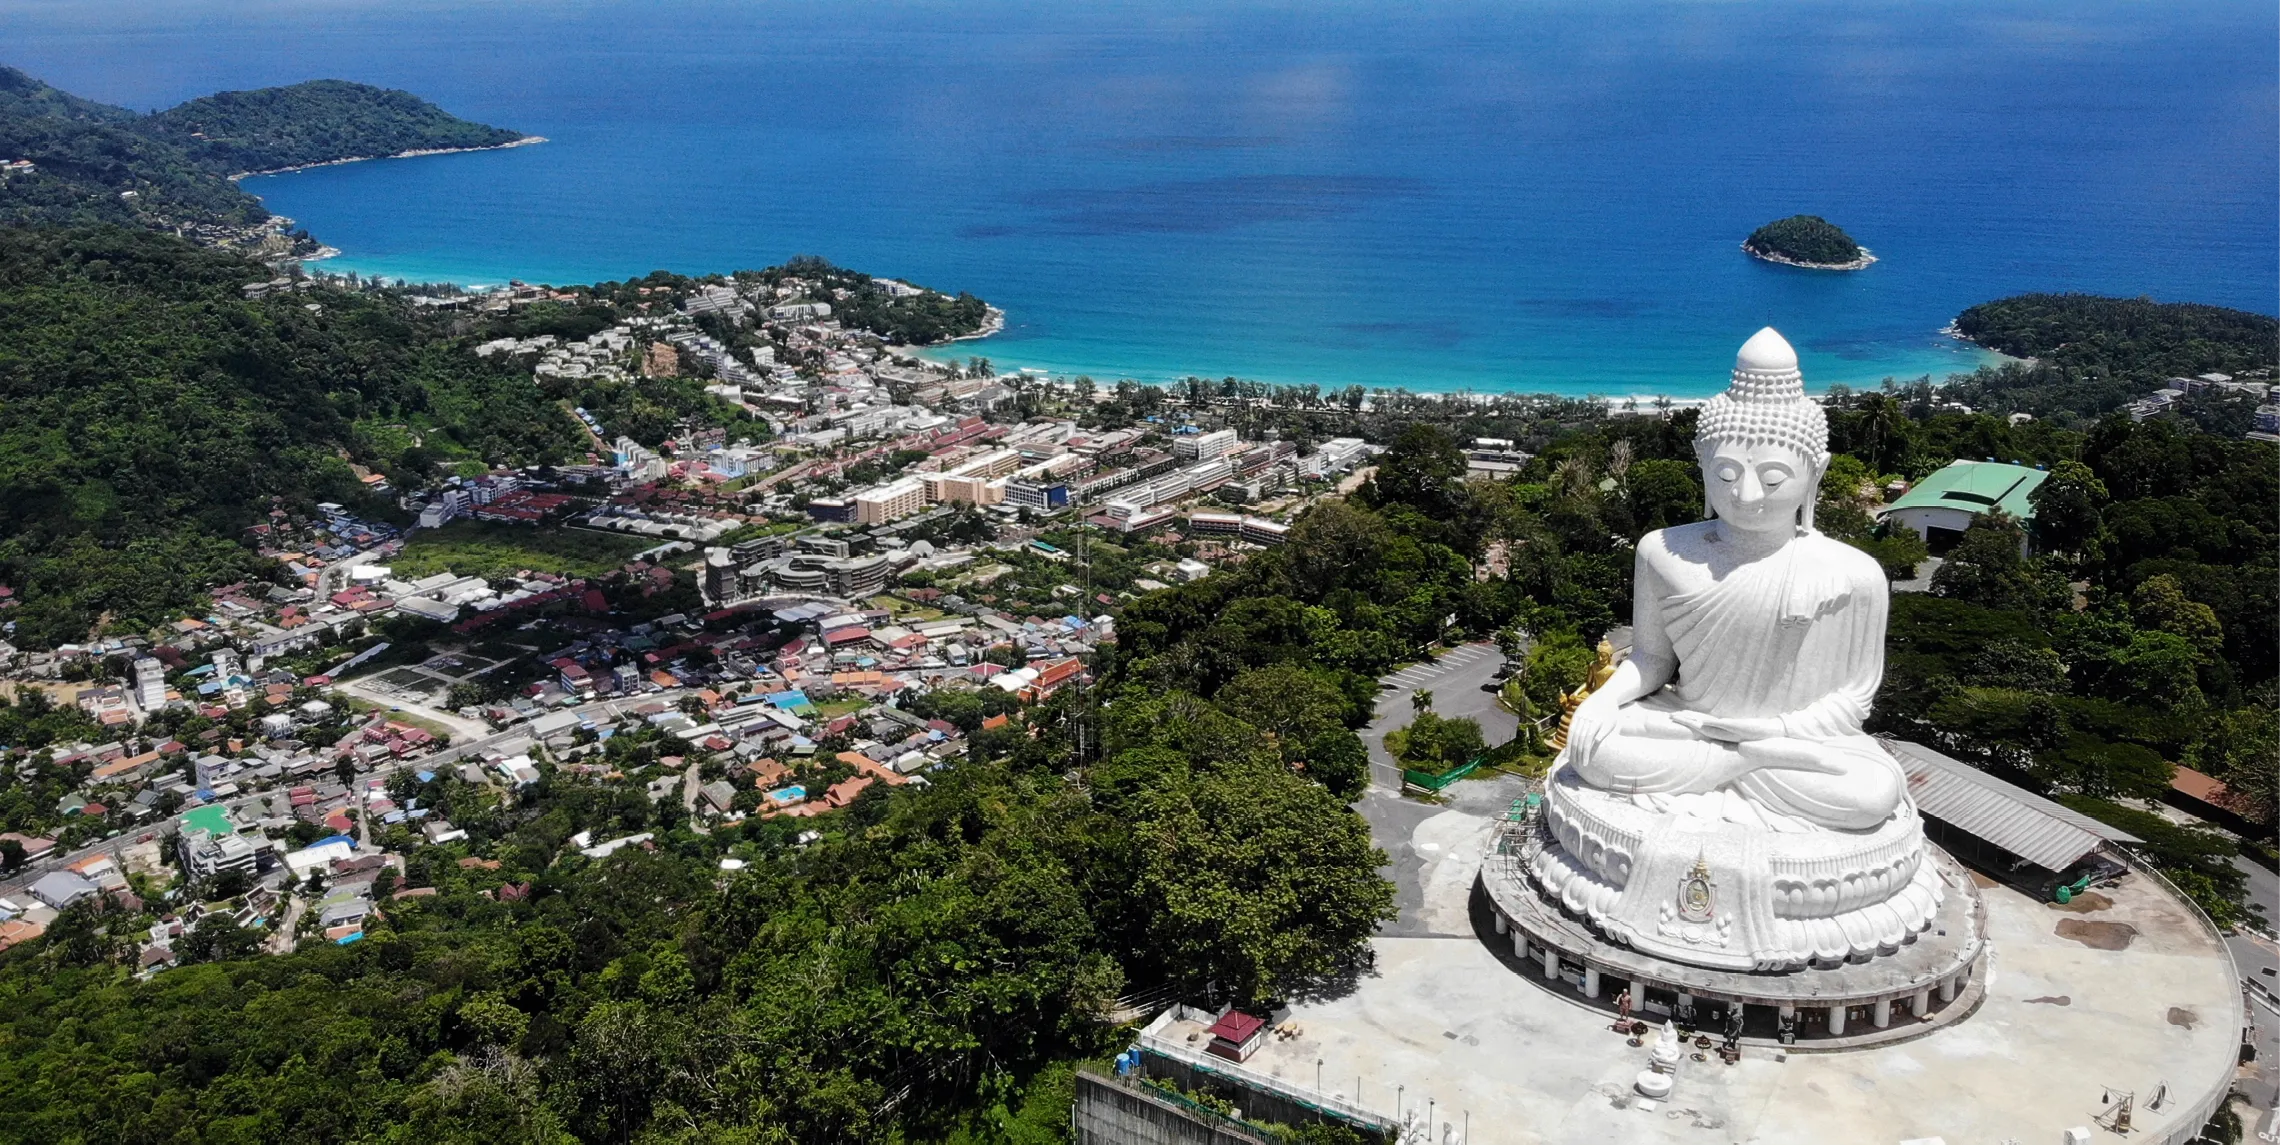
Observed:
{"x":1793,"y":636}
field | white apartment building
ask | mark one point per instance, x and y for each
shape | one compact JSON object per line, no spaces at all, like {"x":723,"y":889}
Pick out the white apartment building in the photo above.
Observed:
{"x":150,"y":684}
{"x":1203,"y":447}
{"x":1335,"y":456}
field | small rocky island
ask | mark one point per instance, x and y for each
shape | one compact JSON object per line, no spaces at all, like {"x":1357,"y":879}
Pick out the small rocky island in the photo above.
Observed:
{"x":1807,"y":241}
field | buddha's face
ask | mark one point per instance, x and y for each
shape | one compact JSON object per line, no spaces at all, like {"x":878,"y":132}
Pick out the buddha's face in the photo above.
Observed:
{"x":1759,"y":487}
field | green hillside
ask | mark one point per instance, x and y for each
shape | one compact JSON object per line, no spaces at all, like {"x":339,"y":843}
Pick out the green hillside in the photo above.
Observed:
{"x":94,"y":163}
{"x":149,"y":411}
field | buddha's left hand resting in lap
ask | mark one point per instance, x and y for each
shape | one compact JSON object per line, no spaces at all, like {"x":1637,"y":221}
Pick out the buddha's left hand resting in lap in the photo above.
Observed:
{"x":1758,"y":642}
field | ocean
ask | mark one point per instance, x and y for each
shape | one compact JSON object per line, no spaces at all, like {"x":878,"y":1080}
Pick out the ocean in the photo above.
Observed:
{"x":1441,"y":196}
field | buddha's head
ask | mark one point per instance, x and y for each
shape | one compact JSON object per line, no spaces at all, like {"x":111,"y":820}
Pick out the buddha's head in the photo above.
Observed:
{"x":1763,"y":444}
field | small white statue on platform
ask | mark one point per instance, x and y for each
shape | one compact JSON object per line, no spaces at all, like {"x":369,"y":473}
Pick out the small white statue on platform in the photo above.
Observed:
{"x":1662,"y":1063}
{"x":1716,"y":798}
{"x":1666,"y":1053}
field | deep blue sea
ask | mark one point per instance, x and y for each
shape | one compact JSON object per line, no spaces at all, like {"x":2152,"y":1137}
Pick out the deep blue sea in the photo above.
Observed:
{"x":1440,"y":195}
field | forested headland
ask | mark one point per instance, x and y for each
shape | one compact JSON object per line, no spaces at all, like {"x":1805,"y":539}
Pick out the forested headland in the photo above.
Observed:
{"x":913,"y":317}
{"x":321,"y":121}
{"x":2090,"y":354}
{"x":170,"y":171}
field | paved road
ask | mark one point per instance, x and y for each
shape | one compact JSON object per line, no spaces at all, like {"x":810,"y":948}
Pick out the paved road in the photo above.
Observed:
{"x":1458,"y":681}
{"x":2258,"y":958}
{"x":369,"y":689}
{"x":1433,"y":849}
{"x":609,"y":709}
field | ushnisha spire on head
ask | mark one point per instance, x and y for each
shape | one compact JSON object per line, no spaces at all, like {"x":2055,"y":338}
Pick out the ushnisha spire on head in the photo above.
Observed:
{"x":1766,"y":404}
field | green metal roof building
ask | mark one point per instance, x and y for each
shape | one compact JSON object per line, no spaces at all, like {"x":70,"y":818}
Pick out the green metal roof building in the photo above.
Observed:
{"x":212,"y":819}
{"x":1941,"y":506}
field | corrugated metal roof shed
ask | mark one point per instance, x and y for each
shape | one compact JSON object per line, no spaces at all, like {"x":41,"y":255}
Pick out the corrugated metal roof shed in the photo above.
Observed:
{"x":2040,"y":831}
{"x":1975,"y":487}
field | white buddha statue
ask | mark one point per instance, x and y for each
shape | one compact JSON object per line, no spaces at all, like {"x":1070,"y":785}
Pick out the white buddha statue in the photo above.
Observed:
{"x":1757,"y":642}
{"x":1717,"y":800}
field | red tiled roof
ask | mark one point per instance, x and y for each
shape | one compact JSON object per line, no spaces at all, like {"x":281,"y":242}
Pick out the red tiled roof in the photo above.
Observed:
{"x":2199,"y":785}
{"x":1236,"y":1027}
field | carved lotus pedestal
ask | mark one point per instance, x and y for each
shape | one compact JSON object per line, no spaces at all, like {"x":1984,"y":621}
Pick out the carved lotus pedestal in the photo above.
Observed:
{"x":1688,"y":883}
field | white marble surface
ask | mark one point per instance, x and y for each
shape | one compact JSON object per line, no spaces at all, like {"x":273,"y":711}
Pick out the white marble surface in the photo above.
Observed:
{"x":1718,"y":802}
{"x":1443,"y":1018}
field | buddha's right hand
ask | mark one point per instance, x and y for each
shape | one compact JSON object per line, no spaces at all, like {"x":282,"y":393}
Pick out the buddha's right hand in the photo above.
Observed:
{"x":1593,"y":722}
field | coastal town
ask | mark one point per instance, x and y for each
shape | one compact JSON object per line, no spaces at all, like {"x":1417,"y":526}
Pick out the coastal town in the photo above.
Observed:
{"x":894,"y":560}
{"x":901,"y":564}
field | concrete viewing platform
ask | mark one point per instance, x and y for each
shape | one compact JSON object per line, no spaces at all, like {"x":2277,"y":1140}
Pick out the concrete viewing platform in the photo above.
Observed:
{"x":2125,"y":990}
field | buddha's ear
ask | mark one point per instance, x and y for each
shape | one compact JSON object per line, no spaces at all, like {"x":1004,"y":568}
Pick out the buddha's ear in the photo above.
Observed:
{"x":1805,"y":511}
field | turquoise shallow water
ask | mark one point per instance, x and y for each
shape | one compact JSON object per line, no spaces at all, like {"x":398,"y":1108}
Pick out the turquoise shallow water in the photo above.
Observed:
{"x":1439,"y":196}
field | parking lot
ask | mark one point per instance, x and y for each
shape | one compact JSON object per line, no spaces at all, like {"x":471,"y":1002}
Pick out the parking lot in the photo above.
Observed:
{"x":1460,"y":682}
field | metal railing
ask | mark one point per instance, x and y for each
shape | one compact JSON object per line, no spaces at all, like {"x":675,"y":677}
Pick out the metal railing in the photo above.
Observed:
{"x":1303,"y":1096}
{"x":2204,"y":1107}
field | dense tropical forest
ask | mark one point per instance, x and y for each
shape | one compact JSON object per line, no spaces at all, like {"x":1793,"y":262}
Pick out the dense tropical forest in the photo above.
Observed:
{"x":1807,"y":239}
{"x":2140,"y":636}
{"x":169,"y":171}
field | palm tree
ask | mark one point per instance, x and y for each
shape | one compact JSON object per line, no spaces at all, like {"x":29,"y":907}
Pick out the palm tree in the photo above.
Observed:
{"x":1573,"y":477}
{"x":1880,"y":423}
{"x":1421,"y":700}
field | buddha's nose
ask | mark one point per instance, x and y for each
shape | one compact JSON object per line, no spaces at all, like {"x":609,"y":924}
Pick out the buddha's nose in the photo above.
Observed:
{"x":1749,"y":492}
